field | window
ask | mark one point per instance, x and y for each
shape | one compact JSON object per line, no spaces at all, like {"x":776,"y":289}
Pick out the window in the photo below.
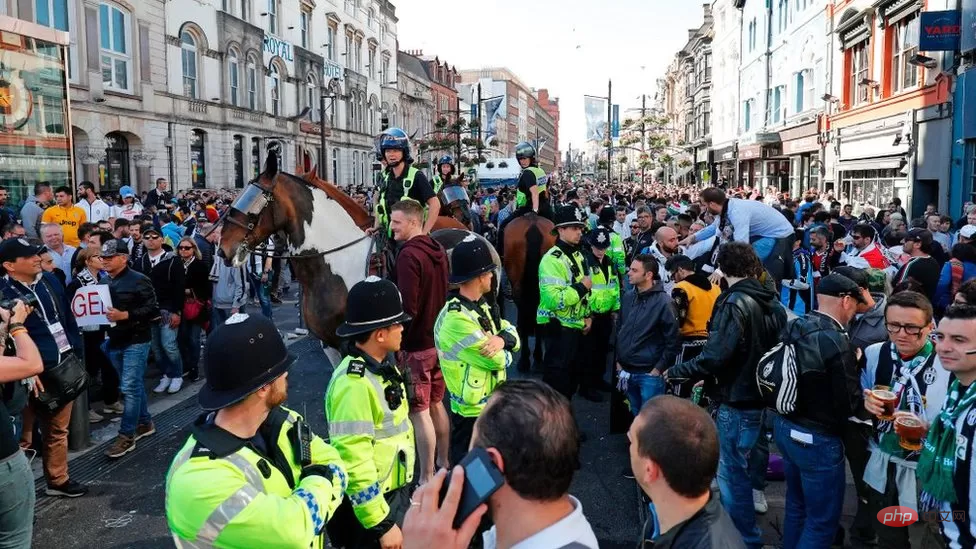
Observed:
{"x":348,"y":54}
{"x":273,"y":16}
{"x":776,"y":105}
{"x":335,"y":164}
{"x":114,"y":41}
{"x":274,"y":84}
{"x":330,"y":46}
{"x":752,"y":35}
{"x":385,"y":76}
{"x":188,"y":51}
{"x":359,"y":55}
{"x":747,"y":116}
{"x":904,"y":36}
{"x":350,"y":7}
{"x":372,"y":118}
{"x":303,"y":20}
{"x":57,"y":14}
{"x":371,"y":19}
{"x":372,"y":63}
{"x":858,"y":72}
{"x":246,"y":10}
{"x":234,"y":77}
{"x":784,"y":14}
{"x":224,"y":5}
{"x":252,"y":84}
{"x":383,"y":31}
{"x":310,"y":98}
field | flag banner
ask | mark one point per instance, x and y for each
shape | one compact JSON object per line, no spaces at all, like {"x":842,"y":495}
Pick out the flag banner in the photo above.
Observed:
{"x":539,"y":144}
{"x":474,"y":116}
{"x":493,"y":111}
{"x":615,"y":133}
{"x":596,"y":110}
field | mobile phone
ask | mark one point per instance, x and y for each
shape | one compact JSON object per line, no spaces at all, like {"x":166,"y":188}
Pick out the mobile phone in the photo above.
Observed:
{"x":481,"y":479}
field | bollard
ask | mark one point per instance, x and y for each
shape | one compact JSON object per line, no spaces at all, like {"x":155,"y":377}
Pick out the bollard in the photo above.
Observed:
{"x":79,"y":427}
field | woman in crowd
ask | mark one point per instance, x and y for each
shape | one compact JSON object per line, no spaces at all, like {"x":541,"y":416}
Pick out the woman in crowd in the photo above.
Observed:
{"x":198,"y":291}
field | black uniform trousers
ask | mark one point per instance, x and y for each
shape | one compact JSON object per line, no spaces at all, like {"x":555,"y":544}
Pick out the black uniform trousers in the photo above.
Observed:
{"x":563,"y":362}
{"x":346,"y":532}
{"x":596,"y":344}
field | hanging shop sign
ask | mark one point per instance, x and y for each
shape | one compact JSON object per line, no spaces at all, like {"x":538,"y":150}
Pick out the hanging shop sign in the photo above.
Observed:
{"x":940,"y":31}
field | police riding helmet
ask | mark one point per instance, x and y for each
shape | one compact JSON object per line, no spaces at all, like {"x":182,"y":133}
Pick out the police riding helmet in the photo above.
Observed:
{"x":446,"y":159}
{"x":525,"y":150}
{"x":395,"y":138}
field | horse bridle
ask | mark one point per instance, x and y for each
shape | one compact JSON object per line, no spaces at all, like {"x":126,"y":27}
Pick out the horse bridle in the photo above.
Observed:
{"x":257,"y":202}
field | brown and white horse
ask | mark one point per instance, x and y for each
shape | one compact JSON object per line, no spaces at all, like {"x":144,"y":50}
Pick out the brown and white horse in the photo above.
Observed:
{"x":325,"y":231}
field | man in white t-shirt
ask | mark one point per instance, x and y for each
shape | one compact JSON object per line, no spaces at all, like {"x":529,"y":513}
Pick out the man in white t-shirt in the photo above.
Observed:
{"x":95,"y":209}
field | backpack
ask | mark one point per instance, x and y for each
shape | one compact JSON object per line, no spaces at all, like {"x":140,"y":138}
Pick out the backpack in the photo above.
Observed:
{"x":778,"y":372}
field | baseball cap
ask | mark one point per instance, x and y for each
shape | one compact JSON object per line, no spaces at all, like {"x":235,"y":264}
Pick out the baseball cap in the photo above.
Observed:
{"x":968,"y":231}
{"x":923,"y":236}
{"x":127,"y":192}
{"x":13,"y":249}
{"x":146,"y":229}
{"x":857,"y":275}
{"x":838,"y":285}
{"x":114,"y":247}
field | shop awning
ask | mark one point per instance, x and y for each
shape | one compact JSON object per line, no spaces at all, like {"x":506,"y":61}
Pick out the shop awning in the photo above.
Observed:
{"x":884,"y":163}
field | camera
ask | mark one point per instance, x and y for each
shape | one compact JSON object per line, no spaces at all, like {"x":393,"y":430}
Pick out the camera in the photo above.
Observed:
{"x":29,"y":300}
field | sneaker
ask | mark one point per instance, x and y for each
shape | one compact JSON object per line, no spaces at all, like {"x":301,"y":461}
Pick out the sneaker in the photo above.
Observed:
{"x":122,"y":446}
{"x":175,"y":385}
{"x":70,"y":489}
{"x":143,"y":431}
{"x":116,"y":408}
{"x":163,"y":385}
{"x":759,"y":502}
{"x":94,"y":417}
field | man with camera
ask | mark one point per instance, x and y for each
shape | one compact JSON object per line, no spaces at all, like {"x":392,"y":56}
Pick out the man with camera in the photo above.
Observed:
{"x":52,"y":327}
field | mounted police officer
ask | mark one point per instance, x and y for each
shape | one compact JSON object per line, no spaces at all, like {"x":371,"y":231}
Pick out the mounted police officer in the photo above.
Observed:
{"x":604,"y":303}
{"x":564,"y":289}
{"x":366,"y":406}
{"x":402,"y":180}
{"x":252,"y":473}
{"x":531,"y":194}
{"x":474,"y":343}
{"x":445,"y":174}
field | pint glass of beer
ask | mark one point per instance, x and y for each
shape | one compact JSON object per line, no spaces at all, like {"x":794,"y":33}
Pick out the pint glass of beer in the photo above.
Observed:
{"x":910,"y":431}
{"x":888,"y":401}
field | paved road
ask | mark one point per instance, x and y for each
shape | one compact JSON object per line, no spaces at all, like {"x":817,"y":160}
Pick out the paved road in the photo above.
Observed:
{"x":125,"y":505}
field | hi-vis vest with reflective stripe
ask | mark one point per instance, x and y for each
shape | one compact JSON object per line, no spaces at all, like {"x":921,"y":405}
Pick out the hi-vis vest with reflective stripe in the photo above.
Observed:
{"x":557,"y":298}
{"x":375,"y":442}
{"x":605,"y":293}
{"x":228,"y":502}
{"x":541,"y":179}
{"x":382,"y":208}
{"x":437,"y":183}
{"x":469,"y":376}
{"x":617,"y":253}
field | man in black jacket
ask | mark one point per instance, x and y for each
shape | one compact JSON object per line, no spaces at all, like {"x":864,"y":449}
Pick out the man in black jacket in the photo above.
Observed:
{"x":166,"y":272}
{"x":674,"y":456}
{"x":828,"y":393}
{"x":133,"y":312}
{"x":746,"y":322}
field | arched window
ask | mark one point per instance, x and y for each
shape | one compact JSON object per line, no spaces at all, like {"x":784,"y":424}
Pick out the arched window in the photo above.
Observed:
{"x":355,"y":172}
{"x":115,"y":39}
{"x":252,"y":83}
{"x":274,"y":84}
{"x":310,"y":98}
{"x":371,"y":114}
{"x":234,"y":77}
{"x":188,"y":51}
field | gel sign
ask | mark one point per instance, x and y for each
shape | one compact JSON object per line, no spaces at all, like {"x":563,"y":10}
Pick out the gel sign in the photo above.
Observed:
{"x":897,"y":516}
{"x":940,"y":31}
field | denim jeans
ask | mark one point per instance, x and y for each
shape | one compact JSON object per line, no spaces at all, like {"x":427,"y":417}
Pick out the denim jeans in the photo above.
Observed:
{"x":16,"y":502}
{"x":130,"y":362}
{"x":189,"y":342}
{"x":815,"y":483}
{"x":166,"y":349}
{"x":263,"y":293}
{"x":759,"y":459}
{"x":641,"y":388}
{"x":738,"y":432}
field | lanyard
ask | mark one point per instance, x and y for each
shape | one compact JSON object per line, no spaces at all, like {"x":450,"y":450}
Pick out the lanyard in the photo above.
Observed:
{"x":40,"y":302}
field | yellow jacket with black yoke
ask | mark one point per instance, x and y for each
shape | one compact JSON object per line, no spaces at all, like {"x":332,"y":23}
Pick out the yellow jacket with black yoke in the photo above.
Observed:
{"x":224,"y":491}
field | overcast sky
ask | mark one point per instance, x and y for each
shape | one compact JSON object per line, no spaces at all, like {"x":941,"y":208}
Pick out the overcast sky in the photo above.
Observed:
{"x":571,"y":48}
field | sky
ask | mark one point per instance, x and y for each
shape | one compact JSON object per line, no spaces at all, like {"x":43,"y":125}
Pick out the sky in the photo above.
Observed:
{"x":571,"y":48}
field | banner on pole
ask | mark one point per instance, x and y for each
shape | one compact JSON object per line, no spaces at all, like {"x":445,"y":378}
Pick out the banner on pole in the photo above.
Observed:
{"x":596,"y":122}
{"x":615,"y":132}
{"x":493,"y":111}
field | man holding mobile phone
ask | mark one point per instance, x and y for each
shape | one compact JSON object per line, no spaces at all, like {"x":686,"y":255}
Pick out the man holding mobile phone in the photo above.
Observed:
{"x":367,"y":409}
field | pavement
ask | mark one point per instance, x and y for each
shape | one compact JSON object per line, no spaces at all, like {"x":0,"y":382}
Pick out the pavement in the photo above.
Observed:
{"x":125,"y":505}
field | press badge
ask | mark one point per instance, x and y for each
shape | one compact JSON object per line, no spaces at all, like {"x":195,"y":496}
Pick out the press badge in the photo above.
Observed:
{"x":61,"y":338}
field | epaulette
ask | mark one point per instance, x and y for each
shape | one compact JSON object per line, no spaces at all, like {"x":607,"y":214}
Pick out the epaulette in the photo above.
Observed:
{"x":356,"y":368}
{"x":454,"y":306}
{"x":557,"y":254}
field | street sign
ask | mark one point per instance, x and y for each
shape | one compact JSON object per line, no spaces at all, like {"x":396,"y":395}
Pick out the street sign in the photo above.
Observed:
{"x":940,"y":31}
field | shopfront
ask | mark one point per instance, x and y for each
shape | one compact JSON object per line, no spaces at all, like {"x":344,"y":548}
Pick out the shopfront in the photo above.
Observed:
{"x":801,"y":147}
{"x":35,"y":137}
{"x":873,"y":164}
{"x":724,"y":164}
{"x":761,"y":165}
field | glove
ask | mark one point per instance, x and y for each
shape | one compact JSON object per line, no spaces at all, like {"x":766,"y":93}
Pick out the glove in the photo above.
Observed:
{"x":317,"y":470}
{"x":622,"y":377}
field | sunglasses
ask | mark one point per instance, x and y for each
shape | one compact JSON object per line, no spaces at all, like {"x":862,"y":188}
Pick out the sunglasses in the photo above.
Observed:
{"x":184,"y":247}
{"x":152,"y":237}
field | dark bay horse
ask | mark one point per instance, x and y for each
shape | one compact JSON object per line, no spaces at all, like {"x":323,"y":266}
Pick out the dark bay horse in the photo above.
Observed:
{"x":325,"y":232}
{"x":527,"y":238}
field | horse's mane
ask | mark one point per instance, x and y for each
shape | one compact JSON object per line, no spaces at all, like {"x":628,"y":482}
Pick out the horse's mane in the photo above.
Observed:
{"x":360,"y":216}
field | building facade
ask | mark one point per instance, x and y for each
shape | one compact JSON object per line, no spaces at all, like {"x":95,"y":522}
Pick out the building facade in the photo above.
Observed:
{"x":416,"y":98}
{"x":726,"y":45}
{"x":514,"y":120}
{"x":551,"y":106}
{"x":698,"y":126}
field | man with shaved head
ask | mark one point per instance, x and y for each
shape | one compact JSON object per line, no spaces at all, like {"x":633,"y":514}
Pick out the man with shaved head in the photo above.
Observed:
{"x":665,"y":247}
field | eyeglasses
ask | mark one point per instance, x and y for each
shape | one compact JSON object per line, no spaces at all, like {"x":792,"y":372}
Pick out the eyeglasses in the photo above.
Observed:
{"x":908,"y":328}
{"x":184,"y":247}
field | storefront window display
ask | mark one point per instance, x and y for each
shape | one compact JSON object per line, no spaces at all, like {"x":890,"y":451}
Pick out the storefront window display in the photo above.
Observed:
{"x":873,"y":187}
{"x":35,"y":137}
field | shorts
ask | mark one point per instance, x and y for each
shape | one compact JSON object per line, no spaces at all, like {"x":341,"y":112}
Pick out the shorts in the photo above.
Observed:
{"x":425,"y":377}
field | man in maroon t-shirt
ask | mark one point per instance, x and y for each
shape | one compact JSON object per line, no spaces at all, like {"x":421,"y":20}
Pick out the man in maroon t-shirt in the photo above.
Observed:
{"x":421,"y":276}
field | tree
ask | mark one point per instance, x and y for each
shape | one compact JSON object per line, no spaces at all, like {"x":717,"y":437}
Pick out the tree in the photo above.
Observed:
{"x":445,"y":139}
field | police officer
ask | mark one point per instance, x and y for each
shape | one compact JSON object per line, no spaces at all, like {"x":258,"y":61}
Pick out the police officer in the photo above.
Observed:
{"x":251,"y":474}
{"x":445,"y":174}
{"x":366,"y":406}
{"x":604,"y":301}
{"x":474,"y":344}
{"x":531,"y":193}
{"x":402,"y":180}
{"x":616,"y":252}
{"x":564,"y":287}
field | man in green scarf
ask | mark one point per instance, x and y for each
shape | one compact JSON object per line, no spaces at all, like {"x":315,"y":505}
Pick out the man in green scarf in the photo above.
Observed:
{"x":908,"y":365}
{"x":946,"y":469}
